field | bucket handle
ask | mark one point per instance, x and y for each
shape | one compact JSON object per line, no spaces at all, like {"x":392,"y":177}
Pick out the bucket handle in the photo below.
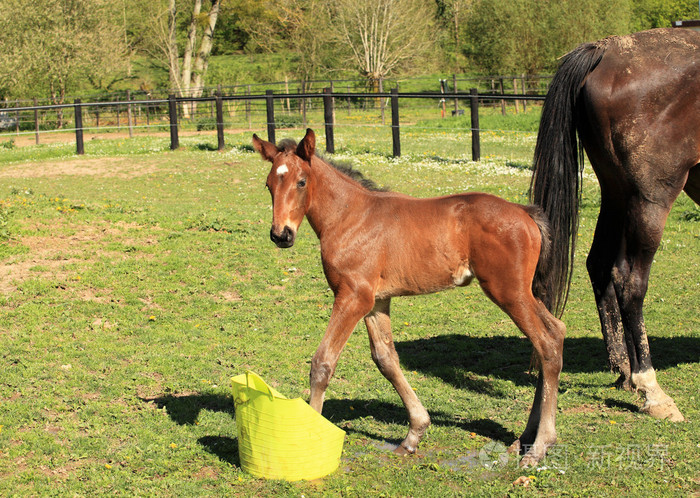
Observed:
{"x":248,"y":373}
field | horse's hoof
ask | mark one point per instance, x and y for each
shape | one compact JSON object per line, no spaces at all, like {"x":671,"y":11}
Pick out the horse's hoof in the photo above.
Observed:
{"x":663,"y":411}
{"x":624,"y":383}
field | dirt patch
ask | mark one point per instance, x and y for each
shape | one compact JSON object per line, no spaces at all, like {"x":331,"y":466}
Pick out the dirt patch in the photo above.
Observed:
{"x":51,"y":256}
{"x":118,"y":167}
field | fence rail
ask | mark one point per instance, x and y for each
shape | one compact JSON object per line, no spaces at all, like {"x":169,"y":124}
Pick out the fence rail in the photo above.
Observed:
{"x":177,"y":106}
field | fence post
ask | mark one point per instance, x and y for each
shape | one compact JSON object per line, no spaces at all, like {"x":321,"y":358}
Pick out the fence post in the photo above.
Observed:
{"x":36,"y":121}
{"x":172,"y":111}
{"x":333,"y":103}
{"x":381,"y":100}
{"x":270,"y":116}
{"x":442,"y":100}
{"x":80,"y":148}
{"x":474,"y":104}
{"x":328,"y":119}
{"x":395,"y":130}
{"x":247,"y":109}
{"x":303,"y":103}
{"x":454,"y":87}
{"x":220,"y":119}
{"x":129,"y":115}
{"x":503,"y":102}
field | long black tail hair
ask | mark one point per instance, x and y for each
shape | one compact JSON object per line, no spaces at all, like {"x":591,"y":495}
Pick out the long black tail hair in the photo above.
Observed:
{"x":555,"y":186}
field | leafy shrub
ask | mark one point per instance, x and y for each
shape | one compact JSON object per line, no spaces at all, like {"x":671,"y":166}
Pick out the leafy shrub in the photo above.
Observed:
{"x":206,"y":124}
{"x":288,"y":121}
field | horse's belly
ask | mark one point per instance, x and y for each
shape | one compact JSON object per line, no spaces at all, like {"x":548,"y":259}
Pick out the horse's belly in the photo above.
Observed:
{"x":423,"y":281}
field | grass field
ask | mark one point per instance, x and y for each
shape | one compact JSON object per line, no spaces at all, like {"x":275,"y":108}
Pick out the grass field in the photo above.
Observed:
{"x":136,"y":281}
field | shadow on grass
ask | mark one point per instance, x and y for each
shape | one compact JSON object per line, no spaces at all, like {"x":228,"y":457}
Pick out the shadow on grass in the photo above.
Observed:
{"x":459,"y":359}
{"x":226,"y":448}
{"x":185,"y":409}
{"x":344,"y":411}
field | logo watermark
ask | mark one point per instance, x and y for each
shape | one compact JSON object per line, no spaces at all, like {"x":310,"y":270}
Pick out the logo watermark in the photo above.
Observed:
{"x":560,"y":457}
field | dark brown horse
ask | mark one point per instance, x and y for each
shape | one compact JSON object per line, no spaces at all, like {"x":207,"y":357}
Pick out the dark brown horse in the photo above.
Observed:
{"x":376,"y":245}
{"x":635,"y":103}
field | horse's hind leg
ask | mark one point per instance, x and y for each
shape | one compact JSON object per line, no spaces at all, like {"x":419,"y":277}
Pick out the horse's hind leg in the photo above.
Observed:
{"x":607,"y":243}
{"x":387,"y":360}
{"x":630,"y":278}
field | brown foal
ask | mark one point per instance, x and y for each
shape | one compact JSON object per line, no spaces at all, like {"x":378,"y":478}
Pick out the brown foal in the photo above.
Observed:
{"x":376,"y":245}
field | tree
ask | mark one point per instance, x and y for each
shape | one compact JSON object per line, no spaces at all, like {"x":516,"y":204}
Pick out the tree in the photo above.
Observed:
{"x":661,"y":13}
{"x":530,"y":35}
{"x":165,"y":27}
{"x":452,"y":14}
{"x":52,"y":46}
{"x":380,"y":37}
{"x":298,"y":29}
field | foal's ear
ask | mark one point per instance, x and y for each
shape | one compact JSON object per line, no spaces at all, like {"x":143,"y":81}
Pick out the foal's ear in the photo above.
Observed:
{"x":307,"y":146}
{"x":267,"y":150}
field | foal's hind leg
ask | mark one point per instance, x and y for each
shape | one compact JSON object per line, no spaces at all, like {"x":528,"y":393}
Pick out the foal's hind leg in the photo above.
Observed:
{"x":384,"y":355}
{"x":547,"y":336}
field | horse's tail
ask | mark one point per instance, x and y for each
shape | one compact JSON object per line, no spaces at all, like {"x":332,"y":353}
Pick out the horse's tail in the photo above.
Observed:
{"x":555,"y":185}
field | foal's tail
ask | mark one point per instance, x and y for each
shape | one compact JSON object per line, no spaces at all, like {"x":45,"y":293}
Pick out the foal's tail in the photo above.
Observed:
{"x":555,"y":185}
{"x":540,"y":281}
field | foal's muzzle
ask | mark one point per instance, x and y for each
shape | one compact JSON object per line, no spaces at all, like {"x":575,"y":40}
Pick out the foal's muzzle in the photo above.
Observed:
{"x":284,"y":239}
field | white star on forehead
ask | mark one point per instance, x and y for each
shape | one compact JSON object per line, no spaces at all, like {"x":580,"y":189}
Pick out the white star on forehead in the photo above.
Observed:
{"x":282,"y":170}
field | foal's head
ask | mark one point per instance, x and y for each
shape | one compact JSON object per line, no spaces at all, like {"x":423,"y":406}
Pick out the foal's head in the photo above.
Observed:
{"x":290,"y":184}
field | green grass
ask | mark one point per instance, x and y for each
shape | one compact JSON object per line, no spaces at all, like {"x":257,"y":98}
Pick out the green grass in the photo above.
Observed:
{"x":137,"y":281}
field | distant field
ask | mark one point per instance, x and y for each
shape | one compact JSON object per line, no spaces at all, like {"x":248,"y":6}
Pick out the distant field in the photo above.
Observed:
{"x":136,"y":281}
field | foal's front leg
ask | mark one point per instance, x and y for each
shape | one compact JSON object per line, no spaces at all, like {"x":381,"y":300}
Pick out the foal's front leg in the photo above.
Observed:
{"x":348,"y":310}
{"x":385,"y":356}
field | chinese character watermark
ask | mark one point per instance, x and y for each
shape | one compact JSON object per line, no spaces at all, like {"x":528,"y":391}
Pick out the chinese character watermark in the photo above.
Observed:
{"x":602,"y":457}
{"x":626,"y":457}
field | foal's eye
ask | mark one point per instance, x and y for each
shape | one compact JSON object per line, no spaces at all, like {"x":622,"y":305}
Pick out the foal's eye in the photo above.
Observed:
{"x":301,"y":183}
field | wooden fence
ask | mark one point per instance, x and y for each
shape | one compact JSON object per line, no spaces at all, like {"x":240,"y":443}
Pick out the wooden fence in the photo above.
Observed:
{"x":327,"y":96}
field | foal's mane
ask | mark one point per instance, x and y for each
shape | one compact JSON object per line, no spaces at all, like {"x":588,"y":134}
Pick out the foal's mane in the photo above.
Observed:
{"x":344,"y":167}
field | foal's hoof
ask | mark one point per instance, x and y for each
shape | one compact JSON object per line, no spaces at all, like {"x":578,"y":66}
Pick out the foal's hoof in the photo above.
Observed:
{"x":514,"y":449}
{"x":403,"y":451}
{"x":534,"y":453}
{"x":529,"y":461}
{"x":663,"y":411}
